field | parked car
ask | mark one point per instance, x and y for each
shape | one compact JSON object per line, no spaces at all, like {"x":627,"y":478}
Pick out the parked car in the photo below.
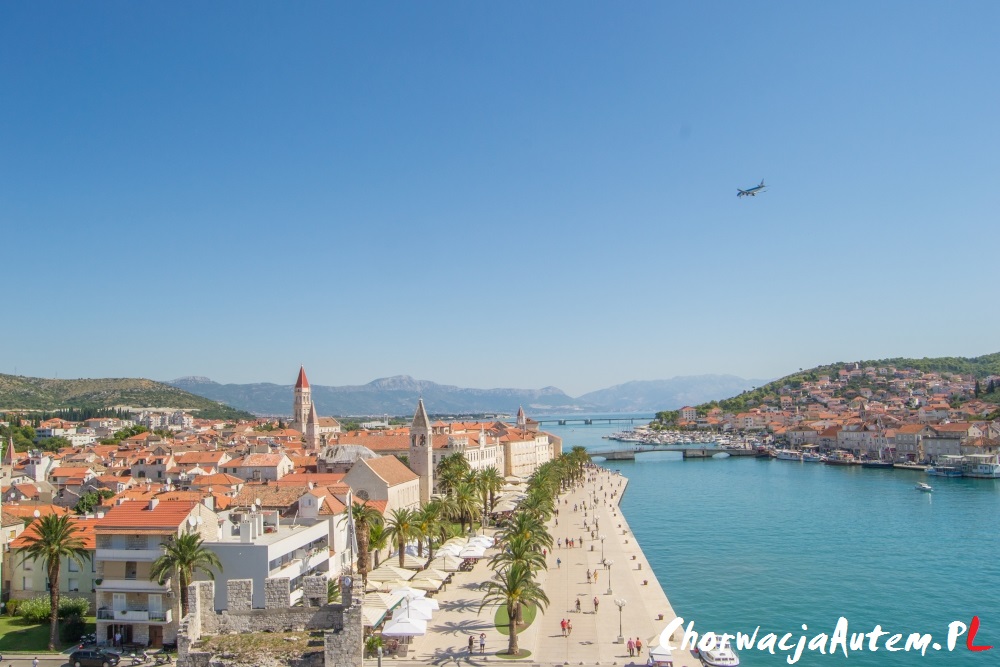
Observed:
{"x":93,"y":658}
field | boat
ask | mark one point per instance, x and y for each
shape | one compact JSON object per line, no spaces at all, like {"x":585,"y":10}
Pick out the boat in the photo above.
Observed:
{"x":720,"y":655}
{"x":924,"y":486}
{"x":788,"y":455}
{"x":840,"y":458}
{"x":982,"y":465}
{"x":812,"y":457}
{"x":874,"y":463}
{"x":947,"y":466}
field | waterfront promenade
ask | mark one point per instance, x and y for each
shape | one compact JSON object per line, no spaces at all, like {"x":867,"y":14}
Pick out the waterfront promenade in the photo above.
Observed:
{"x":594,"y":636}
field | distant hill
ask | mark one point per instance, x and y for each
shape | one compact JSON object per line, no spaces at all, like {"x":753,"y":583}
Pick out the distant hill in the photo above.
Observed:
{"x":652,"y":395}
{"x":26,"y":393}
{"x":394,"y":395}
{"x":398,"y":395}
{"x":979,"y":367}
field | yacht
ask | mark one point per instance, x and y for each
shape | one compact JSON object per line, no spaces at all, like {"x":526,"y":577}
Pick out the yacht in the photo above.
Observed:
{"x":924,"y":486}
{"x":982,"y":465}
{"x":720,"y":655}
{"x":788,"y":455}
{"x":812,"y":457}
{"x":944,"y":471}
{"x":840,"y":458}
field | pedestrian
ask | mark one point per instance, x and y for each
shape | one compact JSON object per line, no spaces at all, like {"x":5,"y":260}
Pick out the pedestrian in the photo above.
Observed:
{"x":596,"y":601}
{"x":569,"y":628}
{"x":588,"y":575}
{"x":581,"y":540}
{"x":118,"y":640}
{"x":545,"y":553}
{"x":557,"y":522}
{"x":34,"y":663}
{"x":562,"y":624}
{"x":578,"y":605}
{"x":558,"y":563}
{"x":472,"y":643}
{"x":559,"y":543}
{"x":595,"y":576}
{"x":482,"y":642}
{"x":631,"y":647}
{"x":638,"y":646}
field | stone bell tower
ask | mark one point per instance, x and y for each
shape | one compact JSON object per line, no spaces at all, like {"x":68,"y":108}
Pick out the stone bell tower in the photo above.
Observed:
{"x":422,"y":452}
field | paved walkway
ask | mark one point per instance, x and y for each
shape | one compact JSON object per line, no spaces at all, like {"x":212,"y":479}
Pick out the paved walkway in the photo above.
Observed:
{"x":594,"y":636}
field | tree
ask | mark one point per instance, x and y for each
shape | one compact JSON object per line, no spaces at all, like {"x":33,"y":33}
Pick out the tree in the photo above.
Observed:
{"x":364,"y":516}
{"x":991,"y":387}
{"x":427,"y":519}
{"x":378,"y":539}
{"x":182,"y":557}
{"x":450,"y":471}
{"x":92,"y":499}
{"x":466,"y":501}
{"x":977,"y":389}
{"x":519,"y":549}
{"x":492,"y":481}
{"x":401,"y":527}
{"x":49,"y":540}
{"x":513,"y":587}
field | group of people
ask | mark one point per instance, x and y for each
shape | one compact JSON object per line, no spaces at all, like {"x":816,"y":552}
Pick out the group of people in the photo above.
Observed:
{"x":634,"y":647}
{"x":567,"y":627}
{"x":482,"y":643}
{"x":570,"y":543}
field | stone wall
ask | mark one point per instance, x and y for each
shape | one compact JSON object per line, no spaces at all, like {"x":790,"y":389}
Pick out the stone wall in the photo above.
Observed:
{"x":277,"y":593}
{"x":343,"y":627}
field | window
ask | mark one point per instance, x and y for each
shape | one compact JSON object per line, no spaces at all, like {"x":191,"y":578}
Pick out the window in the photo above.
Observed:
{"x":29,"y":564}
{"x":74,"y":585}
{"x":130,"y":569}
{"x":26,"y":583}
{"x":73,"y":566}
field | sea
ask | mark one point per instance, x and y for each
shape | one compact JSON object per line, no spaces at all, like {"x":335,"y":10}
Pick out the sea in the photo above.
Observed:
{"x":738,"y":543}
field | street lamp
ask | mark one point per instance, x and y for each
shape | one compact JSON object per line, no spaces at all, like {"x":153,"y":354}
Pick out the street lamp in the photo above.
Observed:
{"x":621,"y":605}
{"x":601,"y":537}
{"x":609,"y":564}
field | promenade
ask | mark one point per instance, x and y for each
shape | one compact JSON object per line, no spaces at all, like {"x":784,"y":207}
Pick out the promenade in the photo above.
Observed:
{"x":594,"y":637}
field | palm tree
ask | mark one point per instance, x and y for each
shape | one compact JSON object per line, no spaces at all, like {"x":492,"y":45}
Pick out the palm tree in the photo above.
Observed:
{"x":51,"y":539}
{"x":519,"y":549}
{"x":539,"y":502}
{"x":427,"y":519}
{"x":493,"y":481}
{"x":378,"y":539}
{"x":364,"y":516}
{"x":513,"y":586}
{"x":466,"y":502}
{"x":401,"y":527}
{"x":450,"y":471}
{"x":184,"y":555}
{"x":530,"y":526}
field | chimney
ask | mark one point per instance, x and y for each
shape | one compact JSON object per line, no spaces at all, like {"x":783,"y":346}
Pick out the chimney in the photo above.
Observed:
{"x":153,"y":502}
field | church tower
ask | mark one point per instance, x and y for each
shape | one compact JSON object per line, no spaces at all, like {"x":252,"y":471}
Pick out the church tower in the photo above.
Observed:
{"x":522,"y":420}
{"x":422,"y":452}
{"x":303,"y":402}
{"x":311,"y":431}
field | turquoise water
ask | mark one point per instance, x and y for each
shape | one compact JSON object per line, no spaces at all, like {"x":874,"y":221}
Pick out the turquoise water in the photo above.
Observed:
{"x":738,"y":543}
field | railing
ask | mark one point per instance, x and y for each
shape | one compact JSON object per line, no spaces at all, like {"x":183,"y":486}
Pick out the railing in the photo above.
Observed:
{"x":144,"y":555}
{"x":133,"y":615}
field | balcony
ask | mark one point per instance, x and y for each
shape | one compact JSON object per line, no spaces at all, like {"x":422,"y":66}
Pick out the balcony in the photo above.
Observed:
{"x":134,"y":615}
{"x":138,"y":555}
{"x":137,"y":585}
{"x":302,"y":563}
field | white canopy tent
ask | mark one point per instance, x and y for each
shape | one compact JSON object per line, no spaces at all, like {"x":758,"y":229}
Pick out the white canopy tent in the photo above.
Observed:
{"x":405,"y":627}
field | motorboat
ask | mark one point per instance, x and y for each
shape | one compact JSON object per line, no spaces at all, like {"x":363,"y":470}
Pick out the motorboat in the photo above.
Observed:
{"x":875,"y":463}
{"x":924,"y":486}
{"x":840,"y":458}
{"x":812,"y":457}
{"x":944,"y":471}
{"x":719,"y":655}
{"x":788,"y":455}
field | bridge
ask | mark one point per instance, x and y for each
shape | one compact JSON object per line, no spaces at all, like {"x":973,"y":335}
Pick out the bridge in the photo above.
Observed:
{"x":596,"y":420}
{"x":692,"y":450}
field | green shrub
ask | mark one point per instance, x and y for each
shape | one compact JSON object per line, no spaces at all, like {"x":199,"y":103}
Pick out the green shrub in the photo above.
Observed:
{"x":12,"y":606}
{"x":35,"y":610}
{"x":71,"y":628}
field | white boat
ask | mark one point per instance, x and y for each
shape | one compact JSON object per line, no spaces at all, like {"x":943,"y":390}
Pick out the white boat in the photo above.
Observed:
{"x":720,"y":655}
{"x":788,"y":455}
{"x":982,"y":465}
{"x":924,"y":486}
{"x":812,"y":457}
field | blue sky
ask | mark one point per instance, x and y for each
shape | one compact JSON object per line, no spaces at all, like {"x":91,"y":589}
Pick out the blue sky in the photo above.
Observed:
{"x":504,"y":194}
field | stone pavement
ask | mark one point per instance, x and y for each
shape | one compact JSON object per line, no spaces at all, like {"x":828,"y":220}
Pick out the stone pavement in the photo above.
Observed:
{"x":593,"y":640}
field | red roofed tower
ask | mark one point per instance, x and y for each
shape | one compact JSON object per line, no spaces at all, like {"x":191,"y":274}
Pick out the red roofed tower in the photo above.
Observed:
{"x":303,"y":402}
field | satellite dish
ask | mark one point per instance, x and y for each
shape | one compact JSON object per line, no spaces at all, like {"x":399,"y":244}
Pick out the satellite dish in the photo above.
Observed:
{"x":258,"y":502}
{"x":37,"y":514}
{"x":200,"y":521}
{"x":192,"y":521}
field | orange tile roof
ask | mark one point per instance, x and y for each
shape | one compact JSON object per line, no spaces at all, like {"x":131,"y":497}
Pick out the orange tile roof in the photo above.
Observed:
{"x":391,"y":470}
{"x":27,"y":510}
{"x":167,"y":515}
{"x":84,"y":530}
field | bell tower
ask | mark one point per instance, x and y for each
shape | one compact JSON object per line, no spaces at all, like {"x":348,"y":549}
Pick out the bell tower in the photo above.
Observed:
{"x":422,"y":452}
{"x":302,"y":405}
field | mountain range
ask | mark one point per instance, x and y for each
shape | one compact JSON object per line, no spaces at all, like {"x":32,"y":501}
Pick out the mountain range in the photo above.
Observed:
{"x":398,"y":395}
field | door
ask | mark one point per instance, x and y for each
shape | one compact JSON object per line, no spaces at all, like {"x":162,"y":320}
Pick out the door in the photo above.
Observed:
{"x":156,"y":636}
{"x":118,"y":602}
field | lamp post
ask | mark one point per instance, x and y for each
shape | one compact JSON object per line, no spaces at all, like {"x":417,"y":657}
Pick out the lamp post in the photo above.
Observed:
{"x":601,"y":537}
{"x":609,"y":564}
{"x":621,"y":605}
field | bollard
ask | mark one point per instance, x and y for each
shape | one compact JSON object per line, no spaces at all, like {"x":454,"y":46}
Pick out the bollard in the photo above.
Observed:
{"x":640,"y":566}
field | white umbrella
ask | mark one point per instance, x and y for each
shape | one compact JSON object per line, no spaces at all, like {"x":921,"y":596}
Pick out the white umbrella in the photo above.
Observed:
{"x":405,"y":627}
{"x":482,"y":540}
{"x":447,"y":562}
{"x":386,"y":572}
{"x":425,"y":603}
{"x":431,"y":573}
{"x":408,"y":592}
{"x":472,"y":551}
{"x":427,"y":583}
{"x":405,"y":611}
{"x":451,"y":550}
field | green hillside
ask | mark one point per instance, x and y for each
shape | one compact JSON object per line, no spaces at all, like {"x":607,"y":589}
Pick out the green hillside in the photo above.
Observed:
{"x":988,"y":364}
{"x":26,"y":393}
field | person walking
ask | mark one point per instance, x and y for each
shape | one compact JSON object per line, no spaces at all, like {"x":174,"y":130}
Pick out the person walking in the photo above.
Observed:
{"x":588,"y":575}
{"x":472,"y":644}
{"x":562,"y":625}
{"x":631,"y":647}
{"x":596,"y":603}
{"x":482,"y":642}
{"x":569,"y":628}
{"x":578,"y":605}
{"x":595,"y":576}
{"x":638,"y":646}
{"x":558,"y":563}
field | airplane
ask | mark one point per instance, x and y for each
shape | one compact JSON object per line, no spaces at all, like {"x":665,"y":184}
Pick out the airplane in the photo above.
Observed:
{"x":751,"y":192}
